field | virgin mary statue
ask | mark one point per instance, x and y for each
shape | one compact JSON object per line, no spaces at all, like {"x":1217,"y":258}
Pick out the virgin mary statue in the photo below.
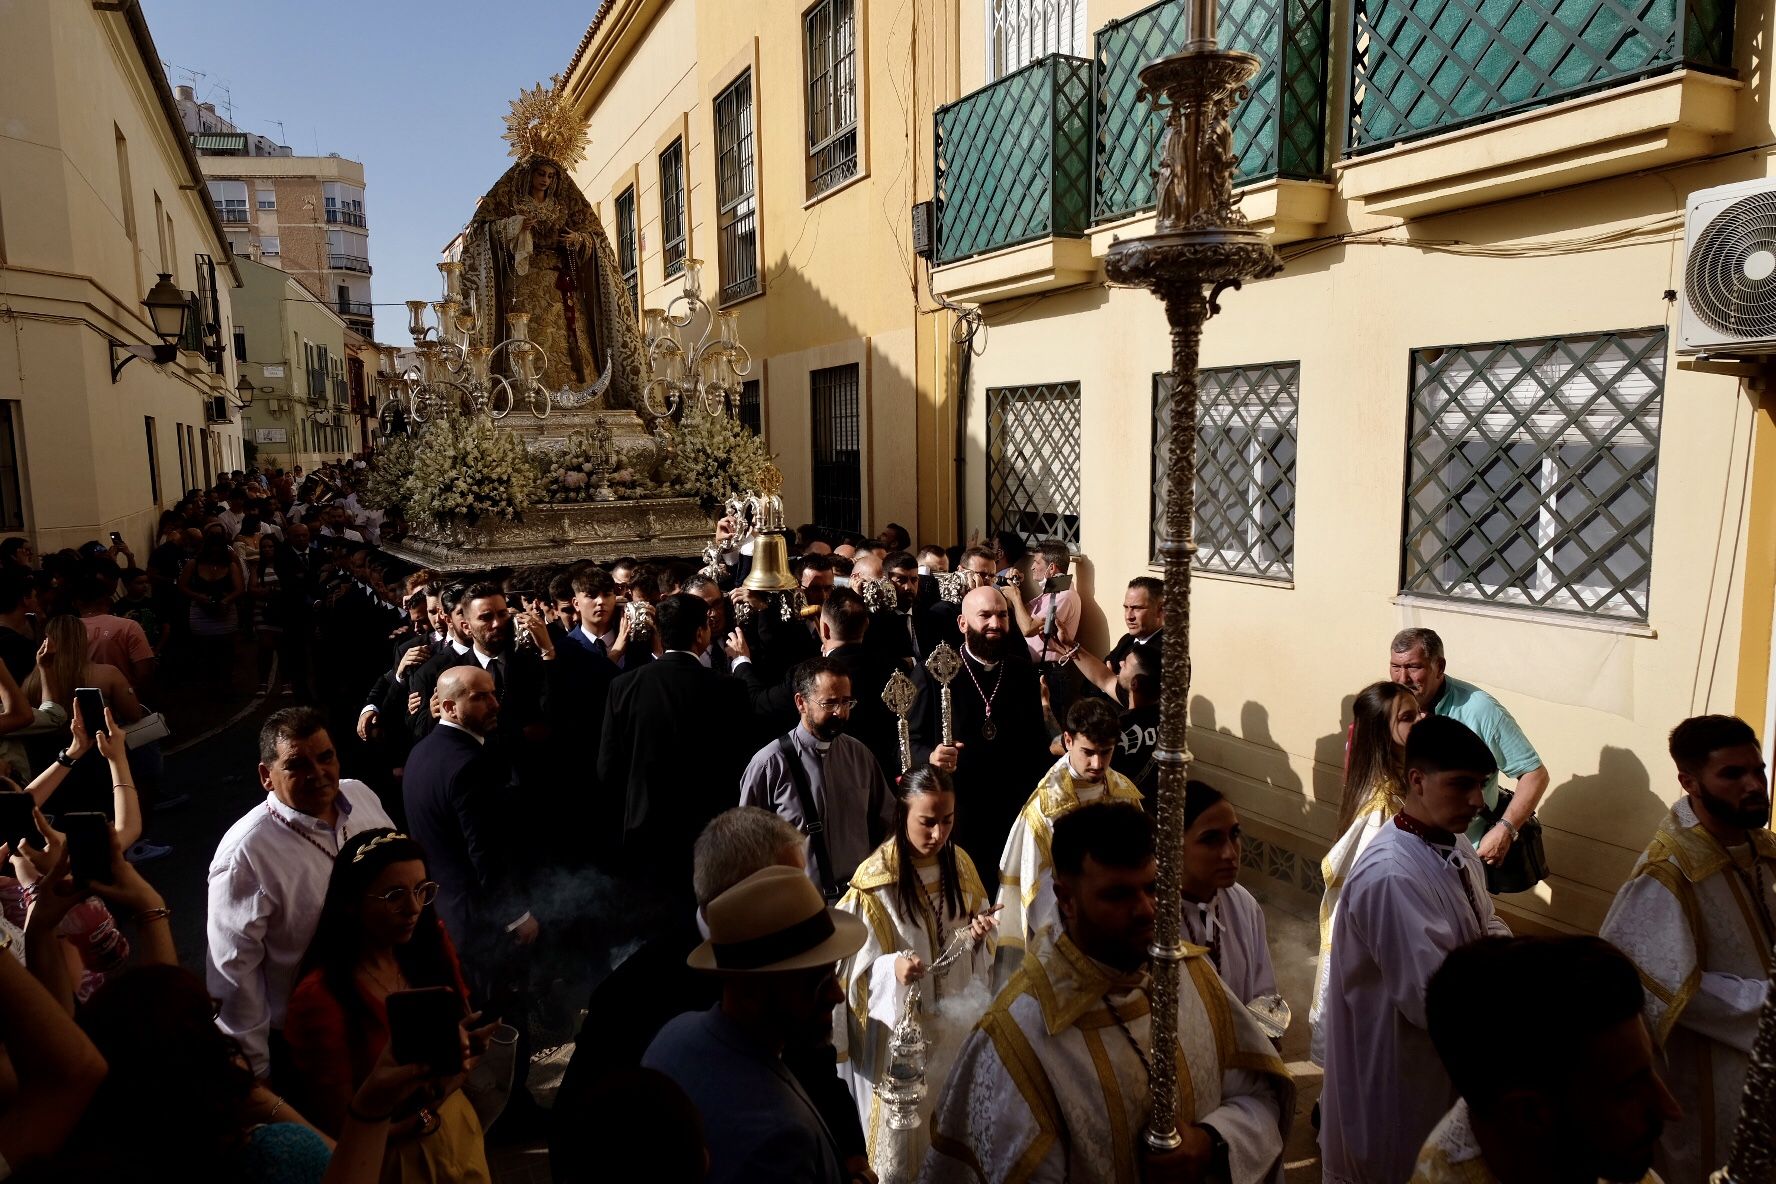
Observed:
{"x":535,"y":246}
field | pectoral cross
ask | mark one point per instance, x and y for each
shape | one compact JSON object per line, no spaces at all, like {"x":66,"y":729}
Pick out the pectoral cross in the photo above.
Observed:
{"x":945,"y":664}
{"x":899,"y":695}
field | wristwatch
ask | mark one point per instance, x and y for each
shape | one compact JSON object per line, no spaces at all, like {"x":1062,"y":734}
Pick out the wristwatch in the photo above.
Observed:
{"x":64,"y":760}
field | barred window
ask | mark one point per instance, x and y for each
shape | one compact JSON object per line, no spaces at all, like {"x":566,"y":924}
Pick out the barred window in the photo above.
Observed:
{"x":736,"y":209}
{"x":1021,"y":31}
{"x":1245,"y":468}
{"x":838,"y":448}
{"x":1033,"y":461}
{"x":628,"y":261}
{"x":1531,"y":472}
{"x":672,"y":208}
{"x":830,"y":39}
{"x":751,"y":411}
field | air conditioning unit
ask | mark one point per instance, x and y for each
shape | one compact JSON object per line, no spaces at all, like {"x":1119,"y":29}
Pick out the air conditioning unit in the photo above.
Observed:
{"x":1729,"y":281}
{"x":219,"y":409}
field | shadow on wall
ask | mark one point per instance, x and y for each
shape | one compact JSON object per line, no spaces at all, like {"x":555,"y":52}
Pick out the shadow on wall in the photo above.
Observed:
{"x":1257,"y":754}
{"x":1620,"y":792}
{"x":1329,"y":758}
{"x":1094,"y":628}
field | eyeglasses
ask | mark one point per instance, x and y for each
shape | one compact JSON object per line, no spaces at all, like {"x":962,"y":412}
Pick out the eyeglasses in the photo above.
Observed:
{"x":425,"y":894}
{"x":835,"y":704}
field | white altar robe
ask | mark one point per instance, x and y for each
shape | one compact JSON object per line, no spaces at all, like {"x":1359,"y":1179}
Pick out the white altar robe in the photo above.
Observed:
{"x":1335,"y":869}
{"x":1231,"y":927}
{"x":1452,"y":1154}
{"x":1402,"y":911}
{"x":949,"y":1004}
{"x":1026,"y":869}
{"x":1690,"y":924}
{"x":1049,"y":1087}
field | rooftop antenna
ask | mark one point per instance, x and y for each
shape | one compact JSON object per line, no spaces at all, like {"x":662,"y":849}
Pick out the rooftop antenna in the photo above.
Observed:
{"x":282,"y":135}
{"x":227,"y":101}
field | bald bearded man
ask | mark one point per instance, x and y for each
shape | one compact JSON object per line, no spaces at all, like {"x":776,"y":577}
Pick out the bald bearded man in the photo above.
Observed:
{"x":1001,"y":744}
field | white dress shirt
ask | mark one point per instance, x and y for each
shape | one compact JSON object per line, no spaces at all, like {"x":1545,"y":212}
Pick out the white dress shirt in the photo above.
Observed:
{"x":267,"y":882}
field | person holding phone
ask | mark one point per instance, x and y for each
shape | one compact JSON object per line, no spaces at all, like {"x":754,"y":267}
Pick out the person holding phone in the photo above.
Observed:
{"x":378,"y":938}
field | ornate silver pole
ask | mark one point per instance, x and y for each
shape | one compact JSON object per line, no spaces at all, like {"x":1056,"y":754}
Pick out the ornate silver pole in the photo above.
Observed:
{"x":1200,"y":246}
{"x":900,"y":694}
{"x":1753,"y":1158}
{"x":945,"y":664}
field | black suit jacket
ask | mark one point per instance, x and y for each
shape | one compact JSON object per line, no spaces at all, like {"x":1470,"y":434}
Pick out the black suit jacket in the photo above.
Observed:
{"x":994,"y":777}
{"x":675,"y":741}
{"x":458,"y":798}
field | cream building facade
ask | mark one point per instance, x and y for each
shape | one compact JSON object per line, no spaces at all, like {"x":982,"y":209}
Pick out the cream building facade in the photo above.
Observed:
{"x":295,"y":351}
{"x":1460,"y":405}
{"x":99,"y":193}
{"x":783,"y":143}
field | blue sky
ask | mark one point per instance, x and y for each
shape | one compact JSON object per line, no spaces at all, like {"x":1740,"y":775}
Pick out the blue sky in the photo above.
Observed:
{"x":414,"y":91}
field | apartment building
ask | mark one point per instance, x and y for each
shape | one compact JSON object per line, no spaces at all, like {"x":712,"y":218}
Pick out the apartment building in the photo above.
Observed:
{"x":294,"y":350}
{"x":1460,"y":405}
{"x":303,"y":214}
{"x":112,"y":404}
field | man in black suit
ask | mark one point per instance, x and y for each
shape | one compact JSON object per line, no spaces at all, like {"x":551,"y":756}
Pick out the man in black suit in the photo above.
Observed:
{"x":457,"y":793}
{"x":523,"y":676}
{"x":676,"y":738}
{"x":454,"y":650}
{"x":1001,"y":741}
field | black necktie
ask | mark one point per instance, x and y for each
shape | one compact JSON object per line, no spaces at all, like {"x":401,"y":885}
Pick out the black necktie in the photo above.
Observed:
{"x":497,"y":668}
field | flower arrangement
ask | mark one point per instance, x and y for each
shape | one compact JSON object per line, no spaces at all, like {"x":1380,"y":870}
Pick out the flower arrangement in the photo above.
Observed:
{"x":385,"y":487}
{"x":712,"y":458}
{"x":578,"y":471}
{"x":469,"y":468}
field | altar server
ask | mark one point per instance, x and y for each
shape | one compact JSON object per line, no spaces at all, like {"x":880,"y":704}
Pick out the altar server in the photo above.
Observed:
{"x":1417,"y":892}
{"x":1220,"y":915}
{"x":1053,"y":1083}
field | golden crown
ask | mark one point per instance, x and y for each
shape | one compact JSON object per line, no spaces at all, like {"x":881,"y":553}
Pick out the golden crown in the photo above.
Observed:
{"x":542,"y":123}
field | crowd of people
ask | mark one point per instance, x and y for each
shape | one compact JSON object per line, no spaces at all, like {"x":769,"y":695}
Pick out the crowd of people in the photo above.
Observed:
{"x":646,"y":792}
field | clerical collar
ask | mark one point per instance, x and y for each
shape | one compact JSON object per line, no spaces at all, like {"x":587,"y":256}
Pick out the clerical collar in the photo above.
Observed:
{"x":979,"y":661}
{"x":1436,"y":836}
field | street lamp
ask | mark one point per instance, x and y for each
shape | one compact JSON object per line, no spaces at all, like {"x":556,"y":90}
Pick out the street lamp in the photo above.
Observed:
{"x":243,"y":392}
{"x":167,"y":310}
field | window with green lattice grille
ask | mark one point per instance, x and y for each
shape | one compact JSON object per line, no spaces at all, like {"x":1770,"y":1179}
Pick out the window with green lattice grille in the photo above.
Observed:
{"x":1531,"y":468}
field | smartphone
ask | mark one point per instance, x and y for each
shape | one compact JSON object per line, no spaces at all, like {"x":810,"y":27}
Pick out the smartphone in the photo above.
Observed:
{"x":89,"y":846}
{"x":16,"y":821}
{"x":91,"y":702}
{"x":116,"y":539}
{"x":1057,"y":583}
{"x":423,"y":1028}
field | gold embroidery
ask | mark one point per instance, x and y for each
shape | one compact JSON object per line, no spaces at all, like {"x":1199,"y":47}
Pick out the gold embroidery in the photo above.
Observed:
{"x":1753,"y":926}
{"x":1027,"y":1073}
{"x":956,"y":1149}
{"x":1122,"y":1143}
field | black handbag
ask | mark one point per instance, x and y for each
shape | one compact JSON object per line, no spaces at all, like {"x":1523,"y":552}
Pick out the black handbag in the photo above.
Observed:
{"x":1526,"y":864}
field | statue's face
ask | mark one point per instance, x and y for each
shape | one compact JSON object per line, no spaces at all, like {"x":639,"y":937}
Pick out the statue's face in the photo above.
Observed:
{"x":542,"y":179}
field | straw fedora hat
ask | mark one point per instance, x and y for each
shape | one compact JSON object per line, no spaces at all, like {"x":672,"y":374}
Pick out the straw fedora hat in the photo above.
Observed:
{"x":774,"y":920}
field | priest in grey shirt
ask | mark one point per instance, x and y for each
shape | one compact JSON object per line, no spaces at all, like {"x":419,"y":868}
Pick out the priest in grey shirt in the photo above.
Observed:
{"x":851,"y":806}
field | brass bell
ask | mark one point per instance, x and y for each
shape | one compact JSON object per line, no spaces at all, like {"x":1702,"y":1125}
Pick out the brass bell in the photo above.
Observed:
{"x":770,"y":566}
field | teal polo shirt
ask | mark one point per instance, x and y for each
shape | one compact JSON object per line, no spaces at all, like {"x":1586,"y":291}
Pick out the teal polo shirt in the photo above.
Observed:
{"x":1487,"y":719}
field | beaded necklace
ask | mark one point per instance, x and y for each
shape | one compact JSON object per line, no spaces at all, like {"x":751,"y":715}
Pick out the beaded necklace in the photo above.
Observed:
{"x":306,"y":837}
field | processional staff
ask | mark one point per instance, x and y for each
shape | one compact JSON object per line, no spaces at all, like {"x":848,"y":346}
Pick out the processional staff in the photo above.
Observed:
{"x":900,"y":694}
{"x":1201,"y":245}
{"x":944,"y":665}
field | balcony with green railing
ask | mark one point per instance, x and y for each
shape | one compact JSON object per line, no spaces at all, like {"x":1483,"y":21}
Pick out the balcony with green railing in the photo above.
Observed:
{"x":1014,"y":160}
{"x":1278,"y":131}
{"x":1423,"y":67}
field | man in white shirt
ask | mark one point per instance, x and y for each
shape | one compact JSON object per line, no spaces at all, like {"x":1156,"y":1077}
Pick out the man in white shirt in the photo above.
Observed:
{"x":269,"y":876}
